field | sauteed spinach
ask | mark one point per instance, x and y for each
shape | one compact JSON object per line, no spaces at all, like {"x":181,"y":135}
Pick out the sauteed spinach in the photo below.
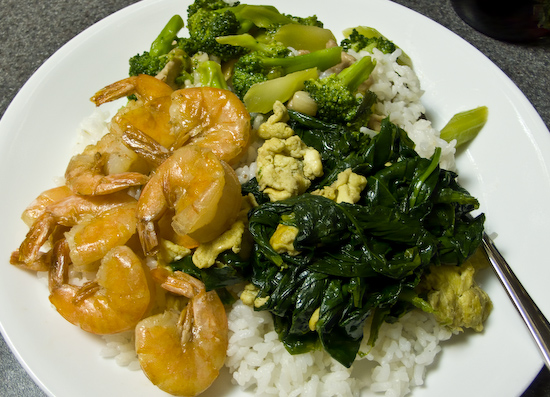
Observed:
{"x":356,"y":260}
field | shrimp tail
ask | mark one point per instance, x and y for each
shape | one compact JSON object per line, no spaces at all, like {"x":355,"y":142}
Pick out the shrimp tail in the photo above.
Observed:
{"x":40,"y":264}
{"x":59,"y":270}
{"x":145,"y":146}
{"x":148,"y":237}
{"x":85,"y":180}
{"x":29,"y":255}
{"x":116,"y":182}
{"x":114,"y":91}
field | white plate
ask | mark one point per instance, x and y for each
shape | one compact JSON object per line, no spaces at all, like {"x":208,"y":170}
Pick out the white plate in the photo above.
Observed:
{"x":506,"y":167}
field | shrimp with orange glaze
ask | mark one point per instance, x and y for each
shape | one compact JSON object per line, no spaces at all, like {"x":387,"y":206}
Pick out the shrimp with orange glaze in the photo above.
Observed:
{"x":212,"y":118}
{"x":92,"y":226}
{"x":182,"y":352}
{"x":44,"y":199}
{"x":106,"y":167}
{"x":205,"y":116}
{"x":150,"y":113}
{"x":202,"y":190}
{"x":40,"y":261}
{"x":114,"y":302}
{"x":109,"y":165}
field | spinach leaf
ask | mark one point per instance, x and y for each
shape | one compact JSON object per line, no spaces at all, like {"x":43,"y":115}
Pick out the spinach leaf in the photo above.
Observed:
{"x":225,"y":273}
{"x":356,"y":260}
{"x":363,"y":259}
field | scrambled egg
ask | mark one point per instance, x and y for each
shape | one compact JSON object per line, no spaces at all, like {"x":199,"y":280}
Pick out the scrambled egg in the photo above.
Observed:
{"x":456,"y":298}
{"x":171,"y":252}
{"x":347,"y":188}
{"x":275,"y":126}
{"x":283,"y":238}
{"x":286,"y":167}
{"x":249,"y":296}
{"x":313,"y":319}
{"x":205,"y":255}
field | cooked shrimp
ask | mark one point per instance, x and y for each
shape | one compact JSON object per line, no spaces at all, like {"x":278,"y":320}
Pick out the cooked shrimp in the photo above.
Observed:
{"x":39,"y":204}
{"x":182,"y":353}
{"x":203,"y":191}
{"x":90,"y":239}
{"x":206,"y":116}
{"x":41,"y":260}
{"x":212,"y":118}
{"x":105,"y":167}
{"x":114,"y":302}
{"x":145,"y":146}
{"x":150,"y":113}
{"x":71,"y":211}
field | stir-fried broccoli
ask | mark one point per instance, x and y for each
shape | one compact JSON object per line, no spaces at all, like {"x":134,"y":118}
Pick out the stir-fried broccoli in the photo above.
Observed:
{"x":308,"y":21}
{"x":365,"y":38}
{"x":209,"y":74}
{"x":153,"y":61}
{"x":336,"y":95}
{"x":207,"y":21}
{"x":204,"y":26}
{"x":146,"y":64}
{"x":267,"y":46}
{"x":207,"y":5}
{"x":257,"y":67}
{"x":359,"y":42}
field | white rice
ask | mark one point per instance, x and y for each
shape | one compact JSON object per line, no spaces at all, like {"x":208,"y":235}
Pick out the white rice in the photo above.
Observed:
{"x":121,"y":347}
{"x":399,"y":93}
{"x":397,"y":362}
{"x":256,"y":358}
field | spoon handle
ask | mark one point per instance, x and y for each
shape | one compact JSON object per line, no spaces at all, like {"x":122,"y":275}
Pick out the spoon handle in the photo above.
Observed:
{"x":534,"y":319}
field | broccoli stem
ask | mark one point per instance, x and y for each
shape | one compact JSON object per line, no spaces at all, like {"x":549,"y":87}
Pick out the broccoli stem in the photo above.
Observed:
{"x":322,"y":59}
{"x":210,"y":75}
{"x":357,"y":73}
{"x":465,"y":126}
{"x":245,"y":40}
{"x":304,"y":37}
{"x":258,"y":15}
{"x":163,"y":43}
{"x":261,"y":96}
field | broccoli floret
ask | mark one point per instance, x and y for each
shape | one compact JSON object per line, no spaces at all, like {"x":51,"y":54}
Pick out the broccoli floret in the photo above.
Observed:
{"x":146,"y":64}
{"x":207,"y":5}
{"x":268,"y":47}
{"x":309,"y":21}
{"x":358,"y":42}
{"x":250,"y":70}
{"x":153,"y":61}
{"x":209,"y":74}
{"x":257,"y":67}
{"x":204,"y":26}
{"x":209,"y":22}
{"x":336,"y":97}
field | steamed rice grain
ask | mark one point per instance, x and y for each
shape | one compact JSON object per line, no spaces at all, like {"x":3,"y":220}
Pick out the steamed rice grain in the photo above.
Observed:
{"x":396,"y":363}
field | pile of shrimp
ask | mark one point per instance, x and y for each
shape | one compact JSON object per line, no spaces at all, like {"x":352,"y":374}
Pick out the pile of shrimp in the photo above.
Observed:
{"x":164,"y":171}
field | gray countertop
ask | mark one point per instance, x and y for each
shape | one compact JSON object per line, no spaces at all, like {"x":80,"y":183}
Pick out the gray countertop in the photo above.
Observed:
{"x":32,"y":30}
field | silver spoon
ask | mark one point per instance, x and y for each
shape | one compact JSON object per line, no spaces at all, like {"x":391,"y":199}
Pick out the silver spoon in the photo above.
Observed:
{"x":534,"y":319}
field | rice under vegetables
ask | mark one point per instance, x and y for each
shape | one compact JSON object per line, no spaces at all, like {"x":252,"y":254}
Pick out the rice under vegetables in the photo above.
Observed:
{"x":397,"y":363}
{"x":257,"y":359}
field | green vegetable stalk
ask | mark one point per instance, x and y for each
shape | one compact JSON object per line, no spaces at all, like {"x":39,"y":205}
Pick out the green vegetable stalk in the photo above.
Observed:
{"x":465,"y":126}
{"x":164,"y":42}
